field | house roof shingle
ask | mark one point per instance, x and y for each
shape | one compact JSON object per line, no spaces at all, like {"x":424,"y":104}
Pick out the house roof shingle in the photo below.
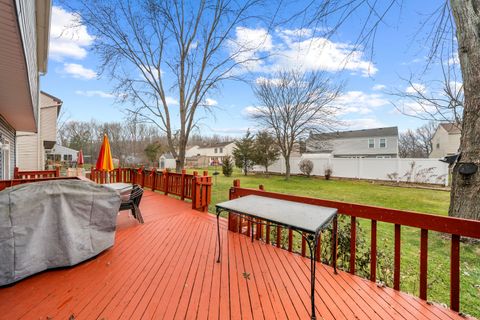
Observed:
{"x":364,"y":133}
{"x":450,"y":127}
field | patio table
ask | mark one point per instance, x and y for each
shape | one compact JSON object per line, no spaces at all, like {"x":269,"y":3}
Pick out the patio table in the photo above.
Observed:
{"x":123,"y":189}
{"x":308,"y":220}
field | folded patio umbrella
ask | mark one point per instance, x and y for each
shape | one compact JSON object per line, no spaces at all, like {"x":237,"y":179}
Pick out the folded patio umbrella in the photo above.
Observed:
{"x":105,"y":161}
{"x":80,"y":160}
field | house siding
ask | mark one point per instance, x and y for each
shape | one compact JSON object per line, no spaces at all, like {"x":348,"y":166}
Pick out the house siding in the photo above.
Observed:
{"x":7,"y":134}
{"x":27,"y":25}
{"x":355,"y":147}
{"x":448,"y":144}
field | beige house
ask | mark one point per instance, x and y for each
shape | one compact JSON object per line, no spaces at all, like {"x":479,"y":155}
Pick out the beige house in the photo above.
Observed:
{"x":445,"y":141}
{"x":32,"y":147}
{"x":208,"y":155}
{"x":24,"y":32}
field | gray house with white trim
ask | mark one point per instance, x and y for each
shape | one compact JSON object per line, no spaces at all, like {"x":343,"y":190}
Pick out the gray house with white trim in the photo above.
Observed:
{"x":366,"y":143}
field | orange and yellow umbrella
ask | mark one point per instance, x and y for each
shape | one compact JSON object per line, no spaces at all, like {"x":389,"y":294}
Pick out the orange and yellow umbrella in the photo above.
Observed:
{"x":104,"y":161}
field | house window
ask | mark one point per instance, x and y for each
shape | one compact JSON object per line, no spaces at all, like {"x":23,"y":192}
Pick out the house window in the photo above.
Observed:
{"x":215,"y":150}
{"x":383,"y":142}
{"x":438,"y":145}
{"x":371,"y":143}
{"x":221,"y":150}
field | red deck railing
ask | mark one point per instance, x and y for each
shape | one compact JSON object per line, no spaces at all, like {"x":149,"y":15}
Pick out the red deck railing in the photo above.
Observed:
{"x":455,"y":227}
{"x":10,"y":183}
{"x":17,"y":174}
{"x":186,"y":186}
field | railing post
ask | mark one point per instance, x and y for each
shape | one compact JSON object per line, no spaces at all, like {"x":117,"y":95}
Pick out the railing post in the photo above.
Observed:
{"x":57,"y":172}
{"x":353,"y":244}
{"x":119,"y":174}
{"x":233,"y":218}
{"x":423,"y":263}
{"x":154,"y":178}
{"x":165,"y":173}
{"x":182,"y":192}
{"x":396,"y":269}
{"x":373,"y":250}
{"x":143,"y":177}
{"x":15,"y":173}
{"x":455,"y":273}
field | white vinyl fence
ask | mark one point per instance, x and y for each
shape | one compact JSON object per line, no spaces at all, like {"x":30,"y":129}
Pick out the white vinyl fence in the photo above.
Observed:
{"x":419,"y":170}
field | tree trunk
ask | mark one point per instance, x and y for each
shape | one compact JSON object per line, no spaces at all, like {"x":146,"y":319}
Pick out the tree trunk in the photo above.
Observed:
{"x":465,"y":199}
{"x":287,"y":167}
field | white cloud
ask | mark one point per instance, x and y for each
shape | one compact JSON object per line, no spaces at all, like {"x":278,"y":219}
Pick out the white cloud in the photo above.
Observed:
{"x":150,"y":69}
{"x":171,"y":101}
{"x":94,"y":93}
{"x":248,"y":45}
{"x":271,"y":81}
{"x":363,"y":123}
{"x":454,"y":60}
{"x":359,"y":102}
{"x":295,"y":49}
{"x":68,"y":36}
{"x":416,"y":88}
{"x":249,"y":111}
{"x":379,"y":87}
{"x":78,"y":71}
{"x":211,"y":102}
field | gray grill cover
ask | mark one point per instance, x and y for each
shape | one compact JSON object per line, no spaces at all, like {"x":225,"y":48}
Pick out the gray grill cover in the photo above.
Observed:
{"x":54,"y":224}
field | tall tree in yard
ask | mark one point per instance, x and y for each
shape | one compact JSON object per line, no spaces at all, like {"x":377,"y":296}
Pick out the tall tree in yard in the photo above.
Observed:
{"x":140,"y":42}
{"x":292,"y":104}
{"x":266,"y":149}
{"x":244,"y":152}
{"x":454,"y":32}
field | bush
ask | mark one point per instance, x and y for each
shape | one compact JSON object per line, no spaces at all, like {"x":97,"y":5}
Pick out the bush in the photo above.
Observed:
{"x":227,"y":166}
{"x":328,"y":172}
{"x":306,"y":167}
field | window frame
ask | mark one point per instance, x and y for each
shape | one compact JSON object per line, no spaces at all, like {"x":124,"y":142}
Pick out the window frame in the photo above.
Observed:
{"x":380,"y":143}
{"x":369,"y":145}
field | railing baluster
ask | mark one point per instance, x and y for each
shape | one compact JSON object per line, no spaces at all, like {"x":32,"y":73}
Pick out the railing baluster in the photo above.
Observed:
{"x":353,"y":243}
{"x":318,"y":253}
{"x":373,"y":252}
{"x":455,"y":273}
{"x":304,"y":244}
{"x":423,"y":263}
{"x":396,"y":271}
{"x":290,"y":240}
{"x":267,"y":231}
{"x":279,"y":236}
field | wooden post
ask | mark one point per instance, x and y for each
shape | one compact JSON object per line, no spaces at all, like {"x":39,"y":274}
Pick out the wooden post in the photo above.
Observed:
{"x":233,"y":218}
{"x":194,"y":188}
{"x":165,"y":174}
{"x":154,"y":179}
{"x":373,"y":250}
{"x":15,"y":173}
{"x":57,"y":172}
{"x":119,"y":174}
{"x":143,"y":177}
{"x":182,"y":185}
{"x":423,"y":263}
{"x":353,"y":240}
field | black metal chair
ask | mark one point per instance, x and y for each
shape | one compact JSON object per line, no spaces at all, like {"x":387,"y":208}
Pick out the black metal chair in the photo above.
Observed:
{"x":133,"y":203}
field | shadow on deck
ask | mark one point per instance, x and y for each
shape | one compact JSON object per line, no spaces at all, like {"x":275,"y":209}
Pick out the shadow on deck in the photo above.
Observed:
{"x":166,"y":269}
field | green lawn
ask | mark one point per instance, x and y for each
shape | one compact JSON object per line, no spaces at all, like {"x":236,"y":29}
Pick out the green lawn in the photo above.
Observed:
{"x":412,"y":199}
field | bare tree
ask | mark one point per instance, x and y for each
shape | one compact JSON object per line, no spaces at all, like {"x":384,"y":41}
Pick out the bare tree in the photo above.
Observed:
{"x":451,"y":30}
{"x":438,"y":100}
{"x":192,"y":41}
{"x":293,"y":104}
{"x":418,"y":143}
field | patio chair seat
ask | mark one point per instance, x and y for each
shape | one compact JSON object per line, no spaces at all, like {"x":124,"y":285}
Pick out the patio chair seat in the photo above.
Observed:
{"x":133,"y":203}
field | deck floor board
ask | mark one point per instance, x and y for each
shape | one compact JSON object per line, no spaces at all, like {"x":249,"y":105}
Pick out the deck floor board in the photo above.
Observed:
{"x":166,"y":269}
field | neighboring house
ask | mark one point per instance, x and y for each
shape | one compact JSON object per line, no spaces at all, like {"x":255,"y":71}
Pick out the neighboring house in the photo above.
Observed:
{"x":367,"y":143}
{"x":62,"y":154}
{"x":445,"y":141}
{"x":167,"y":161}
{"x":212,"y":153}
{"x":24,"y":32}
{"x":32,"y":147}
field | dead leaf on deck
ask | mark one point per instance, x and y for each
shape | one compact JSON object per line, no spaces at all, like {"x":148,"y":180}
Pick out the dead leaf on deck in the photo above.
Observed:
{"x":246,"y":275}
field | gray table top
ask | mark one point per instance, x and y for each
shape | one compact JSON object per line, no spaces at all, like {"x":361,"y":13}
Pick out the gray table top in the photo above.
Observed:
{"x":301,"y":216}
{"x":119,"y":186}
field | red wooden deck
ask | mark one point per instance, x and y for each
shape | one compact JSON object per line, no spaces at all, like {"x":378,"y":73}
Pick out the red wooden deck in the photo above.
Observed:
{"x":166,"y":269}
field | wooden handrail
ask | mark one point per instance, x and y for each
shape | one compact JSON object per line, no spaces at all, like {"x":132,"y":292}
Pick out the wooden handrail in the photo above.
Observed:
{"x":456,"y":227}
{"x":10,"y":183}
{"x":34,"y":174}
{"x":184,"y":185}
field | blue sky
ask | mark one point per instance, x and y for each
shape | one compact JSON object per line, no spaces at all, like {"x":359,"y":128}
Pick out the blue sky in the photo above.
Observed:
{"x":72,"y":72}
